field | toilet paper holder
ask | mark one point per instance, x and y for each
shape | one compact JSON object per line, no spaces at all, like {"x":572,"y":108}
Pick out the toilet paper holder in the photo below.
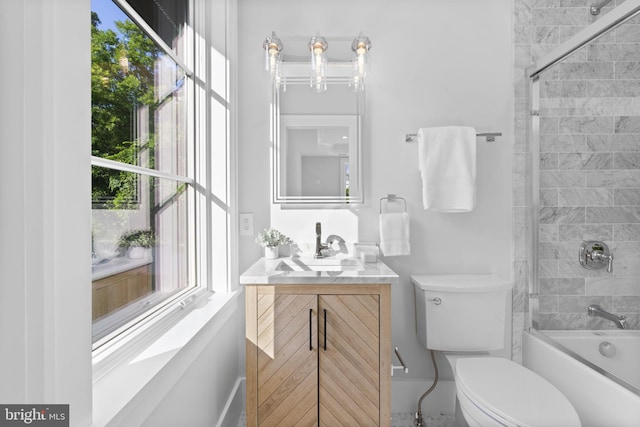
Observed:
{"x":402,"y":366}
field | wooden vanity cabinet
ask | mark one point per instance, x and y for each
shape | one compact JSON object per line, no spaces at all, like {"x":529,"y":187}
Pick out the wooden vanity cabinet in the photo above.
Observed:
{"x":318,"y":355}
{"x":118,"y":290}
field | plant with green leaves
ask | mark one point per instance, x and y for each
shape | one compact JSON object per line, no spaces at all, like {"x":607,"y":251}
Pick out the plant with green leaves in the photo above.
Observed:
{"x":137,"y":238}
{"x":272,"y":237}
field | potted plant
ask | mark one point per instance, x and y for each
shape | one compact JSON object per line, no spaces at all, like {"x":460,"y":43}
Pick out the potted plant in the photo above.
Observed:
{"x":137,"y":243}
{"x":271,"y":240}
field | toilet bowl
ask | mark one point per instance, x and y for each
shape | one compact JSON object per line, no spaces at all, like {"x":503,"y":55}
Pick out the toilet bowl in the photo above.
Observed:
{"x":464,"y":316}
{"x":498,"y":392}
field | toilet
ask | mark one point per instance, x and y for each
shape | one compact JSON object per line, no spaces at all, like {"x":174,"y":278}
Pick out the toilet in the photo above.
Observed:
{"x":465,"y":317}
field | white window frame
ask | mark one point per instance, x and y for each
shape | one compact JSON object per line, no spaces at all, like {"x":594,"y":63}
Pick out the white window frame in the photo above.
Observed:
{"x":45,"y":300}
{"x":213,"y":262}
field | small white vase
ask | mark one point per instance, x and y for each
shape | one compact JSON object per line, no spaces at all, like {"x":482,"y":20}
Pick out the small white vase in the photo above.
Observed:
{"x":271,"y":252}
{"x":136,"y":252}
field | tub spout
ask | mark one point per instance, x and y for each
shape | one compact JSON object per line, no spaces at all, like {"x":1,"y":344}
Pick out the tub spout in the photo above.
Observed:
{"x":596,"y":311}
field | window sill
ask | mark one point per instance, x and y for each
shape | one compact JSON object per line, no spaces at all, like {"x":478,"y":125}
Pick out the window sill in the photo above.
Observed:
{"x":133,"y":389}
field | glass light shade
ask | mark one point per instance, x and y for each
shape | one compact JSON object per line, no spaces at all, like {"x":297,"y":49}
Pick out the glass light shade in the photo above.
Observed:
{"x":318,"y":47}
{"x":272,"y":47}
{"x":360,"y":46}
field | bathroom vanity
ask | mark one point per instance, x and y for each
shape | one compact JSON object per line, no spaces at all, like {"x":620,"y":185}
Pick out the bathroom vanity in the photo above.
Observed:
{"x":119,"y":282}
{"x":318,"y":342}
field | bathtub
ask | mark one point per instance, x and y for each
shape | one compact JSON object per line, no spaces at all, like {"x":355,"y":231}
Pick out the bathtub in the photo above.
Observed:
{"x":605,"y":390}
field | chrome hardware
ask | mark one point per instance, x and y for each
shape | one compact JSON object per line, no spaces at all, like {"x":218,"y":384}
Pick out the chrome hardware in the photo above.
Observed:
{"x":392,"y":198}
{"x":594,"y":310}
{"x":319,"y":246}
{"x":411,"y":138}
{"x":594,"y":255}
{"x":436,"y":301}
{"x":402,"y":366}
{"x":607,"y":349}
{"x":596,"y":7}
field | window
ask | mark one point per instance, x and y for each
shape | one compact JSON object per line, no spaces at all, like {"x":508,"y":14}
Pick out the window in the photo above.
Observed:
{"x":143,"y":161}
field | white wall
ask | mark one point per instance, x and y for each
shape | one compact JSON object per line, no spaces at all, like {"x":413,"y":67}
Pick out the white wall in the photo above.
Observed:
{"x":432,"y":63}
{"x":45,"y":311}
{"x":45,"y":229}
{"x":199,"y":395}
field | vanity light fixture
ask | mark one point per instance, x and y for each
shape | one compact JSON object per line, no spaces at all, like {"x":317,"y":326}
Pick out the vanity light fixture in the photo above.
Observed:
{"x":272,"y":47}
{"x":318,"y":47}
{"x":360,"y":46}
{"x":321,"y":71}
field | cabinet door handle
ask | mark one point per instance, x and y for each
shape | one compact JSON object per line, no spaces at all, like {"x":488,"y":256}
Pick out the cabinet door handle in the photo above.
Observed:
{"x":310,"y":329}
{"x":325,"y":329}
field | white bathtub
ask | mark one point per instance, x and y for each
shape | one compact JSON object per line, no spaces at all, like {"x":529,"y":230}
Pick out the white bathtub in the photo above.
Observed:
{"x":601,"y":399}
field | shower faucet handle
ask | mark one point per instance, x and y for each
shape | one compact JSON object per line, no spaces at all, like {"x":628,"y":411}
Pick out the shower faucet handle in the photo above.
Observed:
{"x":594,"y":255}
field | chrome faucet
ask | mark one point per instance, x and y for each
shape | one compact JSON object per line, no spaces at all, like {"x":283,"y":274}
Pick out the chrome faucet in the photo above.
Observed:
{"x":319,"y":245}
{"x":594,"y":255}
{"x":595,"y":310}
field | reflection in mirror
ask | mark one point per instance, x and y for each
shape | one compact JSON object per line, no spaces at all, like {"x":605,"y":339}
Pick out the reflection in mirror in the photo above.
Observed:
{"x":317,"y":144}
{"x":315,"y":152}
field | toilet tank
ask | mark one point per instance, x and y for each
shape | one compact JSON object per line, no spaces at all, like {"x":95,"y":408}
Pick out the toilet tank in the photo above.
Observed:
{"x":462,"y":312}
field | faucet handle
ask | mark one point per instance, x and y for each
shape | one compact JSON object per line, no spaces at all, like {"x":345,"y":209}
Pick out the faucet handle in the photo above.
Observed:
{"x":594,"y":255}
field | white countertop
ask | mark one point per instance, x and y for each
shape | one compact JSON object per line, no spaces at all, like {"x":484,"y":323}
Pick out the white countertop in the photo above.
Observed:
{"x":109,"y":267}
{"x":268,"y":272}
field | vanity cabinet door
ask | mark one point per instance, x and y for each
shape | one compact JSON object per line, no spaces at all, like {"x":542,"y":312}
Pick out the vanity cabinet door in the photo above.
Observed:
{"x":292,"y":380}
{"x":287,"y":360}
{"x":349,"y":364}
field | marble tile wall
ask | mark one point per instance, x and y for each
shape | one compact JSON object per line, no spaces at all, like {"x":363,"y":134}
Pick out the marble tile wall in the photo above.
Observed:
{"x":589,"y":164}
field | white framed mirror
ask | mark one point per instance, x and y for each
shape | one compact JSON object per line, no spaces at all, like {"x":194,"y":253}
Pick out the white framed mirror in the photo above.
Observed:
{"x":317,"y":144}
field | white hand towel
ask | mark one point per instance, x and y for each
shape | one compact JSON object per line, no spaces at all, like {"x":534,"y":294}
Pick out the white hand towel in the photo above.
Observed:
{"x":447,"y":163}
{"x":394,"y":234}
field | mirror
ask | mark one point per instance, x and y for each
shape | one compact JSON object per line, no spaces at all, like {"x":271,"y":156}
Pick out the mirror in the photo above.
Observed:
{"x":317,"y":139}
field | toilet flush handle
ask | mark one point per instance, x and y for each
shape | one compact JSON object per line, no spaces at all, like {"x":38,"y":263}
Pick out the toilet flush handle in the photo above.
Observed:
{"x":436,"y":300}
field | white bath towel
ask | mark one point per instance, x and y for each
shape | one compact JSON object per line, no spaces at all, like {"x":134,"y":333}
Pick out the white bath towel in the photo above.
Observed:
{"x":447,"y":163}
{"x":394,"y":234}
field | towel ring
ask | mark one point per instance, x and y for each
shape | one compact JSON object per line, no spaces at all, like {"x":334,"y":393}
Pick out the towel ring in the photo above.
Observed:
{"x":392,"y":198}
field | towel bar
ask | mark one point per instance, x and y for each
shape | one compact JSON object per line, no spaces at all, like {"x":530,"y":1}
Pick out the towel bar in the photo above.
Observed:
{"x":491,"y":136}
{"x":393,"y":198}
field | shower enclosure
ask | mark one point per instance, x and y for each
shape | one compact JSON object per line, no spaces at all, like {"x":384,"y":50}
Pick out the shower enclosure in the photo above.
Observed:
{"x":584,"y":176}
{"x":585,"y":106}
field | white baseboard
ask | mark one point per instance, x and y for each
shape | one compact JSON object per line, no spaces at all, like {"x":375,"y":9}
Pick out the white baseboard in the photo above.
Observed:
{"x":406,"y":392}
{"x":404,"y":399}
{"x":235,"y":406}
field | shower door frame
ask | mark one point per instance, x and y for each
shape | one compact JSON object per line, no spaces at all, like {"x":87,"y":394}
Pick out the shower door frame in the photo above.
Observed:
{"x":617,"y":16}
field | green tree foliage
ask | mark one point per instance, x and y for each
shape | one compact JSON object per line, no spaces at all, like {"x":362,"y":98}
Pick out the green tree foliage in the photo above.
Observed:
{"x":122,"y":81}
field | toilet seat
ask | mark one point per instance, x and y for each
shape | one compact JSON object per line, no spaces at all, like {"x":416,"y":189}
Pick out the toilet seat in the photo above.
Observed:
{"x":512,"y":395}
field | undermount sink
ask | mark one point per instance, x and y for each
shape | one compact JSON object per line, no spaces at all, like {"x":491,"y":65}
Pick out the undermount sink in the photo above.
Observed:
{"x":319,"y":264}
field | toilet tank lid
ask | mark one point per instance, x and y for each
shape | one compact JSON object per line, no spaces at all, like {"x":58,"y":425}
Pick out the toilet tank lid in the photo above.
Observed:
{"x":460,"y":282}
